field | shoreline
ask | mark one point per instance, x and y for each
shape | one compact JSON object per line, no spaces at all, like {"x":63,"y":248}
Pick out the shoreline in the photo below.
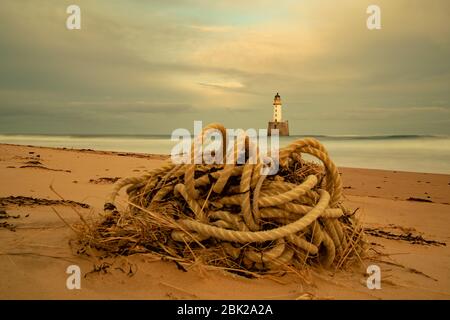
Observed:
{"x":410,"y":239}
{"x":165,"y":157}
{"x":93,"y":151}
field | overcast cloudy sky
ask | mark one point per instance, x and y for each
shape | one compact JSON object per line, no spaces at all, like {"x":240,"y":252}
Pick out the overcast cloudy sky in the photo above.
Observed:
{"x":143,"y":67}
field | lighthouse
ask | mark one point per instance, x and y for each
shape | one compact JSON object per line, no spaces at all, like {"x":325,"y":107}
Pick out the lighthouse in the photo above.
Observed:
{"x":277,"y":120}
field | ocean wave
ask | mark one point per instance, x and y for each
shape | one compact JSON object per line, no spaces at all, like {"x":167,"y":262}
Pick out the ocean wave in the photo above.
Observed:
{"x":166,"y":136}
{"x":372,"y":137}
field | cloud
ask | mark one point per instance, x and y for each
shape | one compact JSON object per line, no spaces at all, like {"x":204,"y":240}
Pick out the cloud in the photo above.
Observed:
{"x":206,"y":28}
{"x":167,"y":62}
{"x":224,"y":85}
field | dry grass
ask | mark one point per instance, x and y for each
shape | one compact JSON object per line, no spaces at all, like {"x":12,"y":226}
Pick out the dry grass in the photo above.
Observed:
{"x":146,"y":226}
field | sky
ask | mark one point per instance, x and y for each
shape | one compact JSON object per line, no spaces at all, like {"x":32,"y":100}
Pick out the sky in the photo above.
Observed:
{"x":149,"y":67}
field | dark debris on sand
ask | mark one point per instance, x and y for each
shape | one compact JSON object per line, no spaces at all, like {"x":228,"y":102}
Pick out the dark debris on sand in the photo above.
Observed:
{"x":418,"y":199}
{"x":105,"y":180}
{"x":407,"y":236}
{"x":5,"y":224}
{"x":30,"y":201}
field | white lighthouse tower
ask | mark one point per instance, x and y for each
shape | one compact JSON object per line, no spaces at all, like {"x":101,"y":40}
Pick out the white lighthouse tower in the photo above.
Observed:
{"x":277,"y":119}
{"x":277,"y":108}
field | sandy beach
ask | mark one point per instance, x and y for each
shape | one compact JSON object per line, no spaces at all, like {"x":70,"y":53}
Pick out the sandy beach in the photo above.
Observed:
{"x":407,"y":217}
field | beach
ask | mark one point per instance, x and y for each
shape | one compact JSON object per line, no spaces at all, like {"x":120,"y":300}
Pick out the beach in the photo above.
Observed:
{"x":406,"y":214}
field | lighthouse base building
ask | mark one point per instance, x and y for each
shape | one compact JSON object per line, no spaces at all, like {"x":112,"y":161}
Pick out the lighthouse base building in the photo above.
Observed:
{"x":283,"y":128}
{"x":277,"y":123}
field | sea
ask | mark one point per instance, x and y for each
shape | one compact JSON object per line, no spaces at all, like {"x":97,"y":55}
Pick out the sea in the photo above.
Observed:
{"x":414,"y":153}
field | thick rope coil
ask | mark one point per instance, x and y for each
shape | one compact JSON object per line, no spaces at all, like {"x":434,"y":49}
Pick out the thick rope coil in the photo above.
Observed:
{"x":236,"y":217}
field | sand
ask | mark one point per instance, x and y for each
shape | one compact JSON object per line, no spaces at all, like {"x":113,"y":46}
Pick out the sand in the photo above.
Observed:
{"x":35,"y":248}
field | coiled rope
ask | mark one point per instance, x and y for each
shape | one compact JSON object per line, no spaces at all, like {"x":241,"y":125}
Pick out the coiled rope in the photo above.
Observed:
{"x":231,"y":215}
